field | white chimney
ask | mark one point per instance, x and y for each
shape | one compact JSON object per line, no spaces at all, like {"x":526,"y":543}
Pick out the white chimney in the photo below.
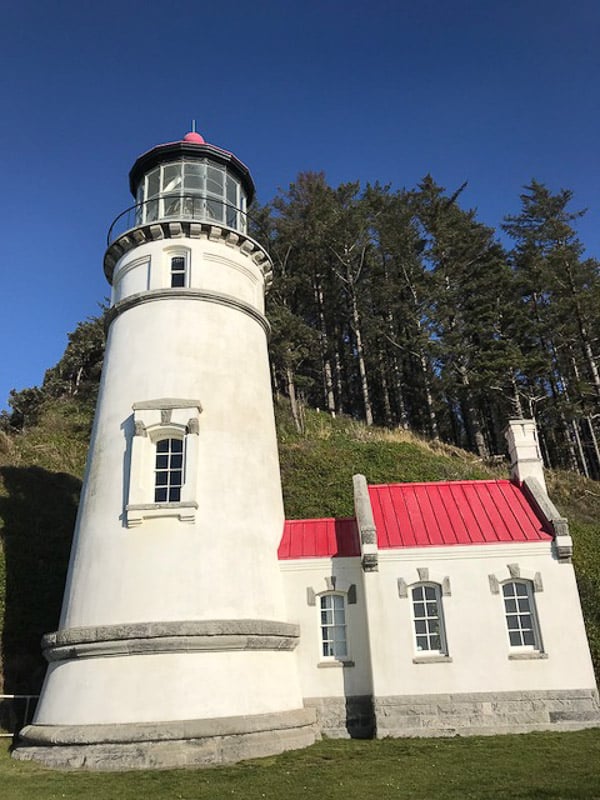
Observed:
{"x":524,"y":451}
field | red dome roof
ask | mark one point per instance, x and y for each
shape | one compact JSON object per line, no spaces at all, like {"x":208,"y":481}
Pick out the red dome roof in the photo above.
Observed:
{"x":193,"y":137}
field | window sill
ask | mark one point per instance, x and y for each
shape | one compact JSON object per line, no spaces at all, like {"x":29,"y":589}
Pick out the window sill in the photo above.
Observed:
{"x":334,"y":664}
{"x":534,"y":655}
{"x":432,"y":660}
{"x":137,"y":513}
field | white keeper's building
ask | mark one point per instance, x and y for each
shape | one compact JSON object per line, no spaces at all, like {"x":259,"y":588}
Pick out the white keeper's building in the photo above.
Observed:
{"x":198,"y":626}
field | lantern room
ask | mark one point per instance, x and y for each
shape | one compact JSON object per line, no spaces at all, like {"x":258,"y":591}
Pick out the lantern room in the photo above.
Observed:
{"x":191,"y":180}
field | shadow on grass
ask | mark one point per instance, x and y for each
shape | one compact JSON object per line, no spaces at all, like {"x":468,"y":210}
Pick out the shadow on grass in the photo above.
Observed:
{"x":39,"y":514}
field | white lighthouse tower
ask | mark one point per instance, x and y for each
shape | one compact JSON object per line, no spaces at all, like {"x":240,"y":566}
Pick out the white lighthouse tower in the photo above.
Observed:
{"x":173,"y":646}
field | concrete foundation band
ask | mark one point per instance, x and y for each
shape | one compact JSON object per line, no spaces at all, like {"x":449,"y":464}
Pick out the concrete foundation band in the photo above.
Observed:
{"x":165,"y":637}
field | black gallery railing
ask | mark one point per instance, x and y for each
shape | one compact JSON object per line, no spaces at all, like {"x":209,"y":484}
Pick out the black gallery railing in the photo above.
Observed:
{"x":200,"y":208}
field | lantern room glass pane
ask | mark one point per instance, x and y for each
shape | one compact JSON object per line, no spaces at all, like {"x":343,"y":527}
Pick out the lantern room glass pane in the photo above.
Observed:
{"x":194,"y":177}
{"x":172,"y":178}
{"x":153,"y":183}
{"x":215,"y":178}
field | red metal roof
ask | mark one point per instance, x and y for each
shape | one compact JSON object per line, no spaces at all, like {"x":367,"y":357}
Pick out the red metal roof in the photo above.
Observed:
{"x":423,"y":515}
{"x":456,"y":512}
{"x":318,"y":538}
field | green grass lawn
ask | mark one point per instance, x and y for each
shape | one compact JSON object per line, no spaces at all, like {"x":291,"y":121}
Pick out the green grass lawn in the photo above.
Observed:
{"x":547,"y":766}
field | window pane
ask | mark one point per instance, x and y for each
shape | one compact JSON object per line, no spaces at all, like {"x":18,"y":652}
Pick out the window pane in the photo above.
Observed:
{"x":420,"y":626}
{"x":177,"y":280}
{"x":214,"y":181}
{"x":177,"y":445}
{"x":174,"y":494}
{"x":151,"y":211}
{"x":162,"y":446}
{"x":162,"y":462}
{"x":160,"y":495}
{"x":171,"y":178}
{"x":232,"y":218}
{"x":419,"y":609}
{"x":435,"y":643}
{"x":528,"y":638}
{"x":509,"y":589}
{"x":214,"y":210}
{"x":231,"y":190}
{"x":171,"y":206}
{"x":153,"y":183}
{"x":523,"y":604}
{"x":429,"y":593}
{"x":515,"y":638}
{"x":418,"y":593}
{"x":193,"y":180}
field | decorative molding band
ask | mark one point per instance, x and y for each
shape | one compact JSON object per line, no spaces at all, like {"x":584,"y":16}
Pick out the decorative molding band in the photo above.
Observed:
{"x":167,"y":404}
{"x":532,"y":655}
{"x":169,"y":637}
{"x":153,"y":295}
{"x":515,"y":572}
{"x":165,"y":731}
{"x":166,"y":229}
{"x":136,"y":513}
{"x":432,"y":660}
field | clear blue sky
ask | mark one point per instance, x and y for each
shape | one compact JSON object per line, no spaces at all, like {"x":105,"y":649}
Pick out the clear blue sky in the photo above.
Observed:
{"x":492,"y":93}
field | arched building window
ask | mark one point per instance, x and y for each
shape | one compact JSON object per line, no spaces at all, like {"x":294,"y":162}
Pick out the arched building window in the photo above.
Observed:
{"x":428,"y":621}
{"x":520,"y":613}
{"x":168,"y":472}
{"x":334,"y":642}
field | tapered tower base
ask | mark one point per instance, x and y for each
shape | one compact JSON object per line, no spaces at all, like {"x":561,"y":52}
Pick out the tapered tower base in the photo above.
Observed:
{"x":163,"y":745}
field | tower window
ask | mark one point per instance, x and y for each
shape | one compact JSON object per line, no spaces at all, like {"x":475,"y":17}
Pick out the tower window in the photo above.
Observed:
{"x":333,"y":626}
{"x":178,"y":271}
{"x":168,"y":471}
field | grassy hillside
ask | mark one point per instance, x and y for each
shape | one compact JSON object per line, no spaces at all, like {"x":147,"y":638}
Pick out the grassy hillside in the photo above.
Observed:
{"x":40,"y":479}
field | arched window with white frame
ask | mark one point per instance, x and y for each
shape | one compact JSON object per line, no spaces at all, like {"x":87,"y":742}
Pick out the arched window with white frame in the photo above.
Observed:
{"x":521,"y":616}
{"x":334,"y":640}
{"x":168,"y":471}
{"x":428,"y":619}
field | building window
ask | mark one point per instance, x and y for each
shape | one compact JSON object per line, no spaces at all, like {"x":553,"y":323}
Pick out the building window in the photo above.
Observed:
{"x":520,"y":615}
{"x":168,"y":472}
{"x":333,"y":627}
{"x":428,"y":619}
{"x":178,"y":271}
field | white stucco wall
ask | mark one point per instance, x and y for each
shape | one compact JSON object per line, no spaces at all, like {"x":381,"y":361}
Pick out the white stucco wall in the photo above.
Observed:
{"x":321,"y":677}
{"x":381,"y":634}
{"x":475,"y":623}
{"x":224,"y":565}
{"x":160,"y":687}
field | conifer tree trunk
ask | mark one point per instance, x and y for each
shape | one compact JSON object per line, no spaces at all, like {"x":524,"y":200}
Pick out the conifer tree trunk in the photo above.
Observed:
{"x":327,"y":371}
{"x":291,"y":390}
{"x":360,"y":354}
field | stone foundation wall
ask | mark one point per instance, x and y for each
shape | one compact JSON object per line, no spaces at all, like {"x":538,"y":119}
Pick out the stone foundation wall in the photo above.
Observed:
{"x":344,"y":717}
{"x":485,"y":713}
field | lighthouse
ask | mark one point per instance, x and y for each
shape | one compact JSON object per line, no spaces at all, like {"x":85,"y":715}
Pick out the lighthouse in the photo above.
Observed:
{"x":173,"y":646}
